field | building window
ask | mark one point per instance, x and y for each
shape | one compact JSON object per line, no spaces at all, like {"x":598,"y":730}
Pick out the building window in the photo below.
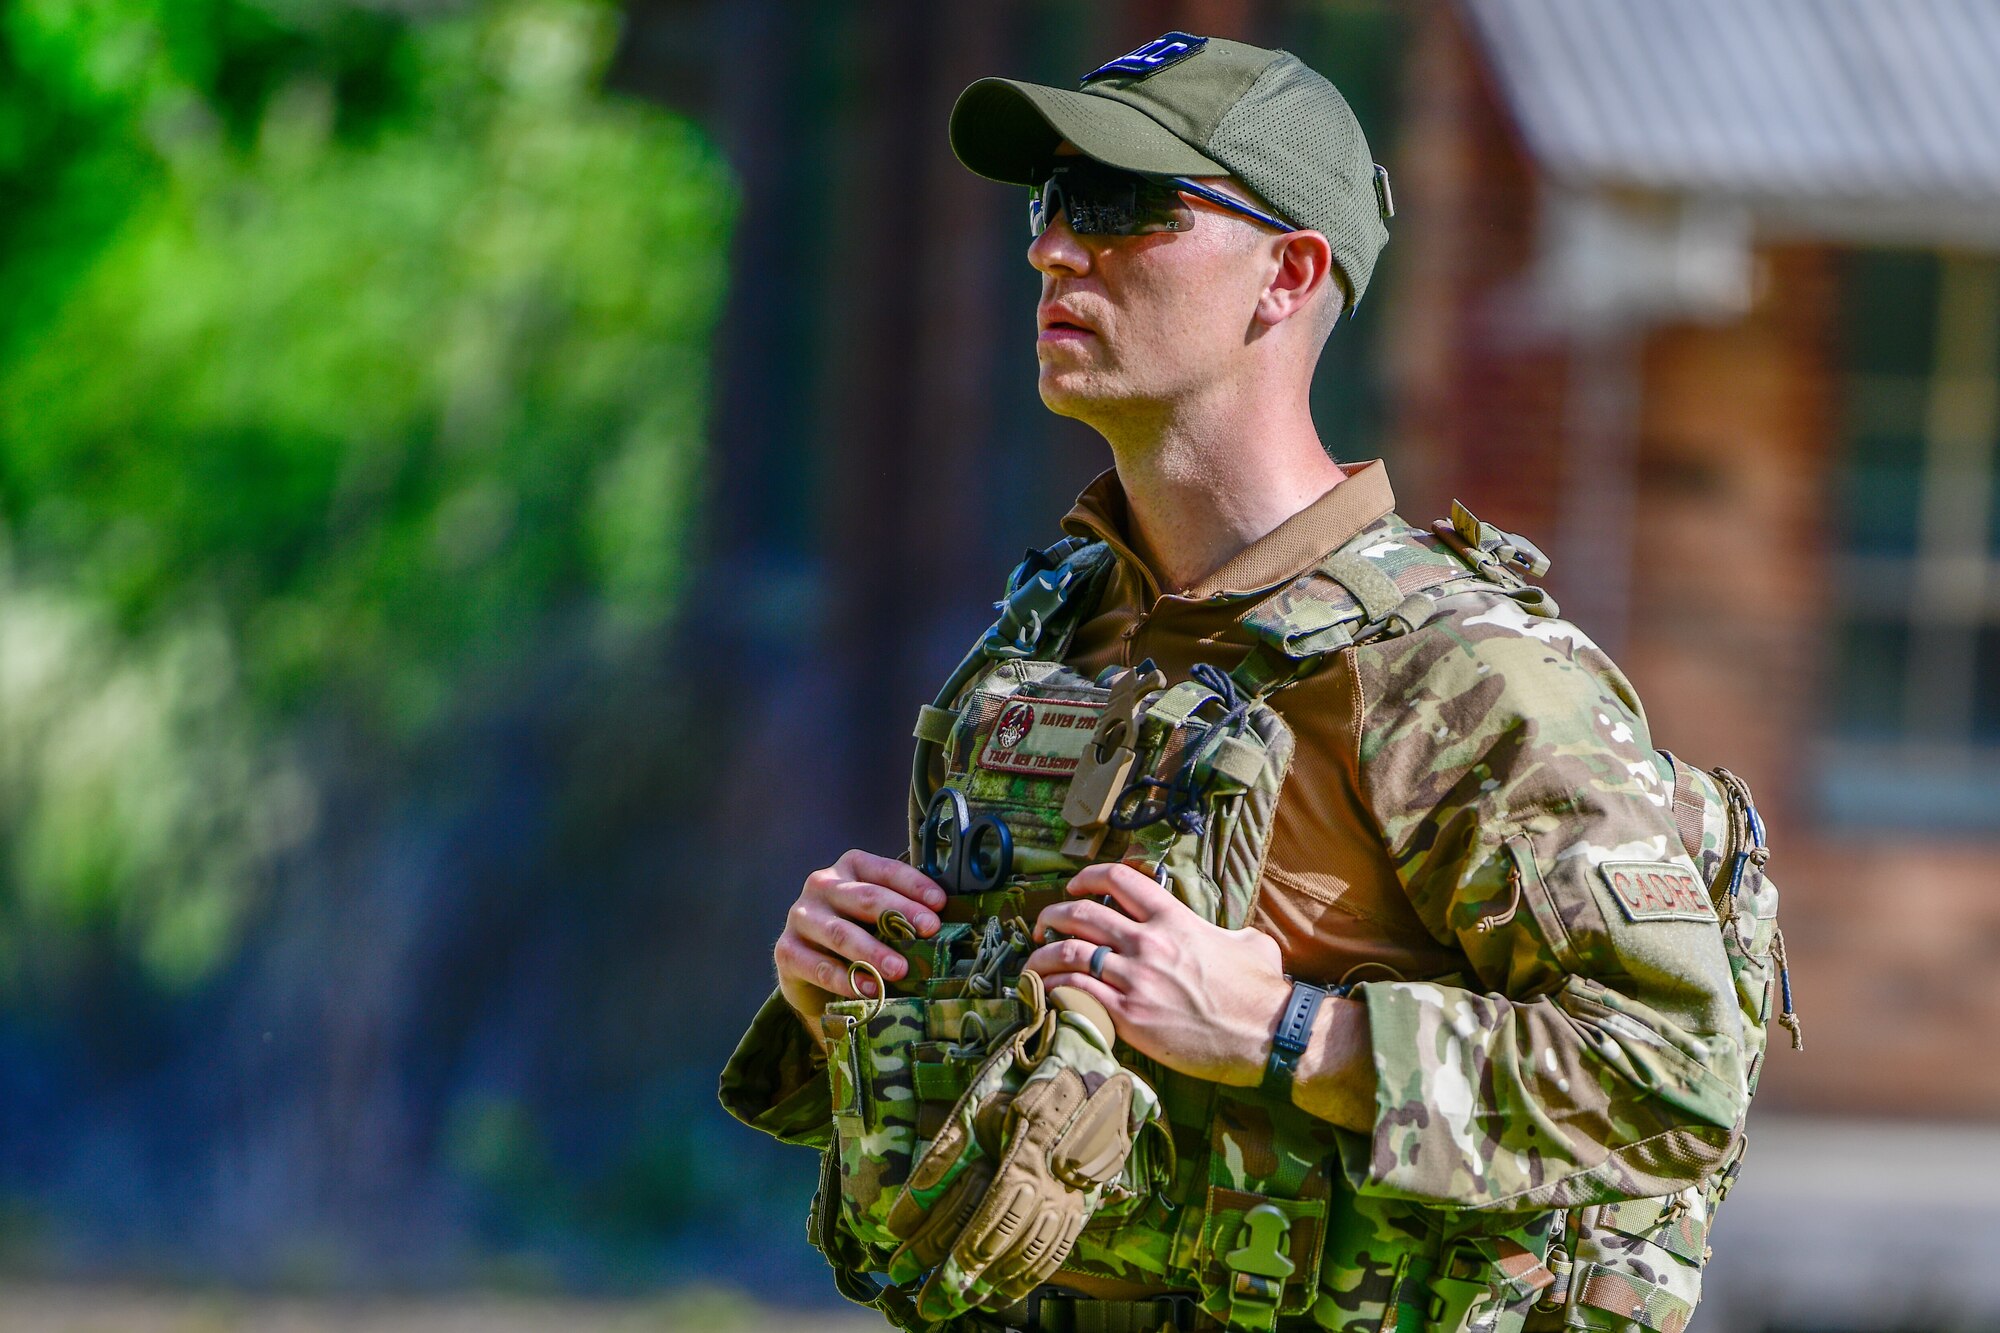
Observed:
{"x":1915,"y":707}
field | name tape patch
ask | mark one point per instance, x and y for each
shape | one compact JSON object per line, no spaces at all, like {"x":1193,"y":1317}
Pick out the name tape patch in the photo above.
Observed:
{"x":1040,"y":736}
{"x":1657,"y":891}
{"x":1167,"y":49}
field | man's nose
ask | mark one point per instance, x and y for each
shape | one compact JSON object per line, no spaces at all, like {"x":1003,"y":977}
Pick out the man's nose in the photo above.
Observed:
{"x":1057,"y":249}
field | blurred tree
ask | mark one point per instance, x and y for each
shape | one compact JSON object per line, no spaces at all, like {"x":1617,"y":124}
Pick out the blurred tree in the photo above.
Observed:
{"x":89,"y":88}
{"x":354,"y":355}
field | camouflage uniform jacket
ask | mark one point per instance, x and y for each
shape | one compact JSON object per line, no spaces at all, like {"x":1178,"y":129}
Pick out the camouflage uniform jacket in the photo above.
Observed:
{"x":1444,"y":840}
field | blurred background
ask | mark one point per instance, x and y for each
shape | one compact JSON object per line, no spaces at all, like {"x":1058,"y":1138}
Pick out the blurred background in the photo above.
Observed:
{"x":484,"y":485}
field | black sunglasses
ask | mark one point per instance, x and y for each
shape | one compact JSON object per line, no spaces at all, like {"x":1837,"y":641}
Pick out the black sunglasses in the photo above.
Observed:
{"x":1106,"y":201}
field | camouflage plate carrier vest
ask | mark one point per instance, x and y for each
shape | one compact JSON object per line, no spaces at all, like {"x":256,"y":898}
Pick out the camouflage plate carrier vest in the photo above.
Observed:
{"x":1031,"y":771}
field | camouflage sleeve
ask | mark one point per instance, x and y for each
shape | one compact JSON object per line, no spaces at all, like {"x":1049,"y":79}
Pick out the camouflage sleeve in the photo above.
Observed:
{"x":773,"y":1083}
{"x":1600,"y":1055}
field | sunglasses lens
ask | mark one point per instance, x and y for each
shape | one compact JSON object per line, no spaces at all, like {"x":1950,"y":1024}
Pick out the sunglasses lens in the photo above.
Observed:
{"x":1094,"y":214}
{"x":1044,"y":202}
{"x":1103,"y":201}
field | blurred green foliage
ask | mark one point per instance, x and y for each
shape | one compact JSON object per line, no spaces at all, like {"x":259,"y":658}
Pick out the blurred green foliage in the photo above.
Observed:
{"x":351,"y":355}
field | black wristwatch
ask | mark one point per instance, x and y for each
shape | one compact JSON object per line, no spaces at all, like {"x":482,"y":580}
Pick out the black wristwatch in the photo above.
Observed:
{"x":1288,"y":1043}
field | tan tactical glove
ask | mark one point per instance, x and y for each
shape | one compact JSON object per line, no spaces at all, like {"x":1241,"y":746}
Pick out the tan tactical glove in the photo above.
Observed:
{"x":996,"y":1202}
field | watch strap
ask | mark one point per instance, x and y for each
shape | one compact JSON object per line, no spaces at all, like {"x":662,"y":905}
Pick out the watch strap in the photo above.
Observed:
{"x":1288,"y":1043}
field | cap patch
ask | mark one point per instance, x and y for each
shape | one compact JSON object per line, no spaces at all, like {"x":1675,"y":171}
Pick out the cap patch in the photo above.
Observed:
{"x":1167,"y":49}
{"x":1656,"y":891}
{"x":1040,"y":736}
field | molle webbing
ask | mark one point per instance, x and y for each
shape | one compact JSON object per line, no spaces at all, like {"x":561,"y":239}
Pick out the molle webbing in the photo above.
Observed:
{"x":1687,"y":810}
{"x":1024,"y":903}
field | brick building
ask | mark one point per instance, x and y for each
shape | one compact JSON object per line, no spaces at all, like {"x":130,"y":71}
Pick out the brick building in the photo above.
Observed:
{"x":1705,"y":297}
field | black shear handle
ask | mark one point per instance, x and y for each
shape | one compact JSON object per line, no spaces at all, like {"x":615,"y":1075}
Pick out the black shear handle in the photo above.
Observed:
{"x":963,"y":854}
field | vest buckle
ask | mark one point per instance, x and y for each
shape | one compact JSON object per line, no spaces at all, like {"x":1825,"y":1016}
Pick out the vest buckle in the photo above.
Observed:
{"x":1258,"y":1269}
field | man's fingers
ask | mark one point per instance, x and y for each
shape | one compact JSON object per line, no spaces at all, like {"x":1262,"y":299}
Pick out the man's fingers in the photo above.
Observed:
{"x":1107,"y":995}
{"x":891,"y":873}
{"x":860,"y":900}
{"x":818,"y":968}
{"x":1089,"y":920}
{"x":1069,"y":960}
{"x":1141,"y":896}
{"x":1062,"y":957}
{"x":835,"y":919}
{"x":844,"y":939}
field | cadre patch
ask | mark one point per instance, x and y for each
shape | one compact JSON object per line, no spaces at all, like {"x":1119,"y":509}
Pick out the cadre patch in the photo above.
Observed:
{"x":1039,"y":736}
{"x":1657,"y":891}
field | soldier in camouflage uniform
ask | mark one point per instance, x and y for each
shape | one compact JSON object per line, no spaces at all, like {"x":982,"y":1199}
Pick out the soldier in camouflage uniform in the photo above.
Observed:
{"x":1430,"y":993}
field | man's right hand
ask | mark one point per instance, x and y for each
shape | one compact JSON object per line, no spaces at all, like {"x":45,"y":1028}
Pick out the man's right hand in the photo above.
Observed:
{"x":832,"y":925}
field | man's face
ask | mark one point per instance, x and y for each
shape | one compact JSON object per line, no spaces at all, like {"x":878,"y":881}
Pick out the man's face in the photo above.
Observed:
{"x":1129,"y":323}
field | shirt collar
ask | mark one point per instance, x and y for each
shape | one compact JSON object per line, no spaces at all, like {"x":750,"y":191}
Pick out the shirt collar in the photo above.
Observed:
{"x":1283,"y":553}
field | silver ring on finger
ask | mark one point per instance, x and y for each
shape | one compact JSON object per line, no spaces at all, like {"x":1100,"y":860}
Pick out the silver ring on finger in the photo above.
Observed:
{"x":1097,"y":958}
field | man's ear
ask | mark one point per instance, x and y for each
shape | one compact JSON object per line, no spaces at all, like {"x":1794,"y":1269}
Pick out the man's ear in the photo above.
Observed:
{"x":1305,"y":266}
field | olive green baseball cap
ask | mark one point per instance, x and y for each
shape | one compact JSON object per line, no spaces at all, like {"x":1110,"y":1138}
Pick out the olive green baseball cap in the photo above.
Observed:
{"x":1183,"y":105}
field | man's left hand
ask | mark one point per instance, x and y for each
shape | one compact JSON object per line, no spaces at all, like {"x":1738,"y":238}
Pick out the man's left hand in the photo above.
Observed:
{"x":1199,"y":999}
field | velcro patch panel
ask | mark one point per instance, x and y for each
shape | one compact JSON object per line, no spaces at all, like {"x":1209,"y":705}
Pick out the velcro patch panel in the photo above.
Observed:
{"x":1043,"y":737}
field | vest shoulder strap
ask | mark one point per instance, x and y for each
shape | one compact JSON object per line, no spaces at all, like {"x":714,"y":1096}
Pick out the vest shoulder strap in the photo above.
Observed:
{"x":1384,"y":583}
{"x":1047,"y":594}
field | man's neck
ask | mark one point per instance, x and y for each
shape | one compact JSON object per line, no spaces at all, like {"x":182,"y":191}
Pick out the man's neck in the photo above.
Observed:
{"x":1203,"y":480}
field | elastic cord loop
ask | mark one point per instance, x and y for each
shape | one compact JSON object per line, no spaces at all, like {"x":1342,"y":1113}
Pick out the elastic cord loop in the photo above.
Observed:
{"x":853,"y":984}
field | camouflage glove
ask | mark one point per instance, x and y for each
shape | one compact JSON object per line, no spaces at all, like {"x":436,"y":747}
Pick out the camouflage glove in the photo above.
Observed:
{"x":996,"y":1202}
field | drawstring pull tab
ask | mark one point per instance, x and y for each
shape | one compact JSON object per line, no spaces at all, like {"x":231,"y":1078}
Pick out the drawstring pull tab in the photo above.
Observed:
{"x":1497,"y":919}
{"x":1787,"y":1018}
